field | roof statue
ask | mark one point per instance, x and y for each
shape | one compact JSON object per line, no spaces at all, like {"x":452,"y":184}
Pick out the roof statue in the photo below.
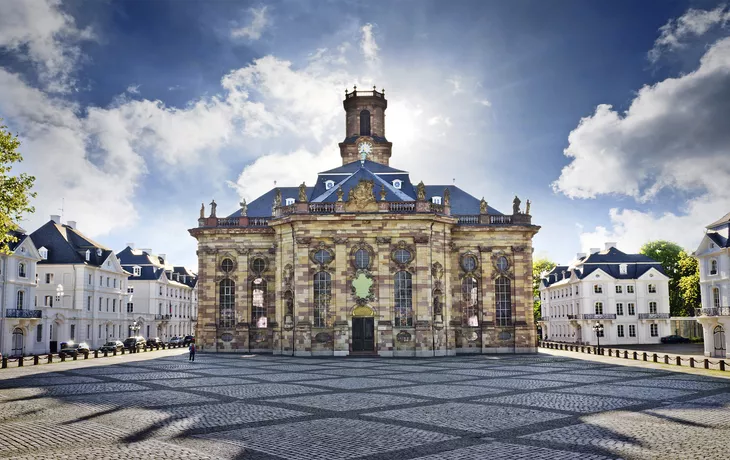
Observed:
{"x":212,"y":208}
{"x":202,"y":210}
{"x":421,"y":192}
{"x":527,"y":207}
{"x":340,"y":193}
{"x":483,"y":206}
{"x":244,"y":207}
{"x":303,"y":193}
{"x":447,"y":197}
{"x":516,"y":205}
{"x":382,"y":192}
{"x":277,"y":201}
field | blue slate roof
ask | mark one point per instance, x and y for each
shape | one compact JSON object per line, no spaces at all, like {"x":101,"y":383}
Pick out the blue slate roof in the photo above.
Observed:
{"x":13,"y":245}
{"x":152,"y":267}
{"x":719,"y":239}
{"x":261,"y":206}
{"x":67,"y":245}
{"x":462,"y":203}
{"x":372,"y":166}
{"x":721,"y":221}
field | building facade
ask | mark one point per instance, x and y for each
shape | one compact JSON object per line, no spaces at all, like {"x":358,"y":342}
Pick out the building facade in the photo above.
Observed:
{"x":21,"y":328}
{"x":713,"y":257}
{"x":365,"y":261}
{"x":627,"y":294}
{"x":81,"y":290}
{"x":162,"y":297}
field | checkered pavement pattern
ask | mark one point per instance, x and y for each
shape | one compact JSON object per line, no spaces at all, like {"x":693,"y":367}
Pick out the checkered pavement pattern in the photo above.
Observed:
{"x":277,"y":407}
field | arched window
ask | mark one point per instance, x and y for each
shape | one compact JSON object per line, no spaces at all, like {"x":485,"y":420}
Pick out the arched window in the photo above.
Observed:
{"x":364,"y":122}
{"x":20,"y":300}
{"x":21,"y":270}
{"x":403,"y":299}
{"x":713,"y":267}
{"x":503,"y":295}
{"x":258,"y":303}
{"x":715,"y":297}
{"x":227,"y":265}
{"x":362,"y":259}
{"x":469,"y":292}
{"x":322,"y":296}
{"x":227,"y":303}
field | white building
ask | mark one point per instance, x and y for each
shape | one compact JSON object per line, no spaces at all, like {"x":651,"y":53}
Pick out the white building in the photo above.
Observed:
{"x":21,"y":328}
{"x":163,"y":297}
{"x":714,"y":263}
{"x":81,"y":289}
{"x":628,"y":294}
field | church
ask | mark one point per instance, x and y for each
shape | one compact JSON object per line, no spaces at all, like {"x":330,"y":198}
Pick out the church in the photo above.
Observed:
{"x":365,"y":261}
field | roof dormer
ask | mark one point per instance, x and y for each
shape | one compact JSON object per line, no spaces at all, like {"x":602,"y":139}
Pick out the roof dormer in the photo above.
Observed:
{"x":397,"y":183}
{"x":43,"y":252}
{"x":328,"y":184}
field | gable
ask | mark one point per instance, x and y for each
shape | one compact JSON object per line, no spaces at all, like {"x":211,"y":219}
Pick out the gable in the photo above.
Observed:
{"x":653,"y":275}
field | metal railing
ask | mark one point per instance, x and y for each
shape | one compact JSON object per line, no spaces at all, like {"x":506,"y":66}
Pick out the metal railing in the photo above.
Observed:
{"x":596,"y":316}
{"x":653,"y":315}
{"x":19,"y":313}
{"x":258,"y":222}
{"x":162,"y":317}
{"x":712,"y":311}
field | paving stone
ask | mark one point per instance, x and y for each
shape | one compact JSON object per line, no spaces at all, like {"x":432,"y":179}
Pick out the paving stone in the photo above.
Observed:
{"x":147,"y":398}
{"x":196,"y":382}
{"x":356,"y":383}
{"x":509,"y":451}
{"x":624,"y":391}
{"x":679,"y":384}
{"x":573,"y":378}
{"x":444,"y":391}
{"x":487,"y":372}
{"x":292,"y":376}
{"x":82,"y":388}
{"x":567,"y":402}
{"x":348,"y":401}
{"x":512,"y":383}
{"x":722,"y":400}
{"x":329,"y":438}
{"x":260,"y":390}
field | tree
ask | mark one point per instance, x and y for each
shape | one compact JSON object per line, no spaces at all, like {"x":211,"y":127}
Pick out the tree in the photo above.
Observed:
{"x":539,"y":266}
{"x":670,"y":255}
{"x":689,"y":283}
{"x":15,"y":191}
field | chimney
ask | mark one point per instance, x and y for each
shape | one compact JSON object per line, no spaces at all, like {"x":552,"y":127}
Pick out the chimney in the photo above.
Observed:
{"x":580,"y":255}
{"x":594,"y":250}
{"x":608,"y":246}
{"x":163,"y":257}
{"x":148,"y":251}
{"x":71,"y":223}
{"x":130,"y":245}
{"x":56,"y":218}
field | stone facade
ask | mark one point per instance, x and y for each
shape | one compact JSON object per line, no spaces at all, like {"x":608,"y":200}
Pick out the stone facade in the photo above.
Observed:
{"x":361,"y":246}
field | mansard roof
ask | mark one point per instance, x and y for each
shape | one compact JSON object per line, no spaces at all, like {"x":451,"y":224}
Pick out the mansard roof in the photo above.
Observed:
{"x":721,"y":221}
{"x":719,"y":239}
{"x":21,"y":236}
{"x":152,"y":266}
{"x":349,"y":175}
{"x":614,"y":256}
{"x":66,"y":245}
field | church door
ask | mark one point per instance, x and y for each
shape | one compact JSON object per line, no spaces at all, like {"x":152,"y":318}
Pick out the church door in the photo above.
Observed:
{"x":363,"y":334}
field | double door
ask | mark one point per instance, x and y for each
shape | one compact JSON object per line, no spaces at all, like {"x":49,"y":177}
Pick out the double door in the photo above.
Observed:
{"x":363,"y":334}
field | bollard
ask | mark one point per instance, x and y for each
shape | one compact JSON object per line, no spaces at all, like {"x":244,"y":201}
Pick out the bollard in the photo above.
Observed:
{"x":36,"y":360}
{"x":609,"y":352}
{"x":707,"y":363}
{"x":50,"y":358}
{"x":76,"y":355}
{"x":656,"y":358}
{"x":96,"y":353}
{"x":63,"y":357}
{"x":20,"y":362}
{"x":4,"y":364}
{"x":666,"y":359}
{"x":636,"y":356}
{"x":123,"y":350}
{"x":691,"y":362}
{"x":722,"y":365}
{"x":114,"y":352}
{"x":626,"y":354}
{"x":678,"y":360}
{"x":86,"y":355}
{"x":644,"y":356}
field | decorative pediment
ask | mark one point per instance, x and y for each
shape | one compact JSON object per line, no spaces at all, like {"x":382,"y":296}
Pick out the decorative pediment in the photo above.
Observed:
{"x":363,"y":310}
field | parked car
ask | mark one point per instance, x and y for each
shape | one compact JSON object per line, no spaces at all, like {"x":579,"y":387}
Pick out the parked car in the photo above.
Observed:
{"x":675,"y":339}
{"x":74,"y":349}
{"x":137,"y":342}
{"x":175,"y":340}
{"x":188,"y":340}
{"x":112,"y":345}
{"x":154,"y":342}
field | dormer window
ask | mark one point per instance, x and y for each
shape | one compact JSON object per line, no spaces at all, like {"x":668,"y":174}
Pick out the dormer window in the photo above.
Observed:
{"x":328,"y":184}
{"x":98,"y":252}
{"x":137,"y":271}
{"x":88,"y":255}
{"x":289,"y":201}
{"x":623,"y":269}
{"x":436,"y":200}
{"x":397,"y":183}
{"x":44,"y":253}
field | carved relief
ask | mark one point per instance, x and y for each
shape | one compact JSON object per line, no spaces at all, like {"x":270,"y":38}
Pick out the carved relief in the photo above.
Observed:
{"x":340,"y":240}
{"x":306,"y":240}
{"x":383,"y":240}
{"x":502,"y":265}
{"x":421,"y":239}
{"x":363,"y":287}
{"x":402,"y":255}
{"x":361,"y":197}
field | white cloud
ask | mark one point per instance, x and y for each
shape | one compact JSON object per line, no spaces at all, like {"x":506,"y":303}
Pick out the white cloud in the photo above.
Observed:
{"x":368,"y":46}
{"x":439,"y":120}
{"x":133,"y":89}
{"x":693,"y":23}
{"x":42,"y":33}
{"x":455,"y":82}
{"x":484,"y":102}
{"x":253,"y":31}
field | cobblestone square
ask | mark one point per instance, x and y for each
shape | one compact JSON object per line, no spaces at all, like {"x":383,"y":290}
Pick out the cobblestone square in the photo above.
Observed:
{"x":230,"y":406}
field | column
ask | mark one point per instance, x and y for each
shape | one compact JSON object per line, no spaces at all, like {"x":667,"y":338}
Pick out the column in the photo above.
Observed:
{"x":384,"y":312}
{"x":422,"y":304}
{"x":340,"y":295}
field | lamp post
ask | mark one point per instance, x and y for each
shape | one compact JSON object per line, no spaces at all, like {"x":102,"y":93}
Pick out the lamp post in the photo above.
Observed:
{"x":598,"y":329}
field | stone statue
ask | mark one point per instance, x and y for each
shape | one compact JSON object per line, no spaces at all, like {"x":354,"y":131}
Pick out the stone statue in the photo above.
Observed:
{"x":421,"y":192}
{"x":516,"y":205}
{"x":212,"y":208}
{"x":303,"y":193}
{"x":202,"y":210}
{"x":483,"y":208}
{"x":447,"y":197}
{"x":382,"y":192}
{"x":277,"y":201}
{"x":340,"y":193}
{"x":527,"y":207}
{"x":437,"y":309}
{"x":244,"y":208}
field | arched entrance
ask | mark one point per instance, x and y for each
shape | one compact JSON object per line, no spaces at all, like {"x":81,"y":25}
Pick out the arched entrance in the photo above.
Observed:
{"x":718,"y":336}
{"x":17,"y":349}
{"x":363,"y":329}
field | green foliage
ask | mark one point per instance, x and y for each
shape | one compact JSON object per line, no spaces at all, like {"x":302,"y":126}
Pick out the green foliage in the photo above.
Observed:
{"x":15,"y":191}
{"x":538,"y":267}
{"x":683,"y":271}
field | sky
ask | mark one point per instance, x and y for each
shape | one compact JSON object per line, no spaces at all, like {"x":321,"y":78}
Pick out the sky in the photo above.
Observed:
{"x":610,"y":117}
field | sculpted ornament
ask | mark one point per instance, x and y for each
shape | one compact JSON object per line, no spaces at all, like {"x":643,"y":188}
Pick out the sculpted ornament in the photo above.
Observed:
{"x":202,"y":210}
{"x":361,"y":195}
{"x":212,"y":208}
{"x":303,"y":193}
{"x":244,"y":208}
{"x":382,"y":192}
{"x":483,"y":206}
{"x":527,"y":207}
{"x":421,"y":192}
{"x":447,"y":197}
{"x":340,"y":193}
{"x":363,"y":289}
{"x":516,"y":205}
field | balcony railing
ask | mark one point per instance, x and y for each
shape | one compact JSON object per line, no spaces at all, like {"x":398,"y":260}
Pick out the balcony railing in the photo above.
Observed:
{"x":653,"y":315}
{"x":162,"y":317}
{"x":399,"y":206}
{"x":467,"y":219}
{"x":228,"y":222}
{"x":500,"y":219}
{"x":258,"y":222}
{"x":592,"y":316}
{"x":713,"y":311}
{"x":573,"y":316}
{"x":15,"y":313}
{"x":322,"y":208}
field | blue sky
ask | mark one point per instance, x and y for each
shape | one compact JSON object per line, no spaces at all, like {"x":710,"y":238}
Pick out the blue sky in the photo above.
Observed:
{"x":135,"y":112}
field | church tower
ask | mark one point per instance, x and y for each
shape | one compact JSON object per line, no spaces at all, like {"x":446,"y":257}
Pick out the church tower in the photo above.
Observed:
{"x":365,"y":127}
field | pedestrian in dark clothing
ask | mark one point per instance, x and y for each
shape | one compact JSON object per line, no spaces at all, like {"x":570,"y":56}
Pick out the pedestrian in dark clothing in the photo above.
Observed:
{"x":191,"y":348}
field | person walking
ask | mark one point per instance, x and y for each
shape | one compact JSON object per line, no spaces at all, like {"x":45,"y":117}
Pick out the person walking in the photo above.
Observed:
{"x":191,"y":348}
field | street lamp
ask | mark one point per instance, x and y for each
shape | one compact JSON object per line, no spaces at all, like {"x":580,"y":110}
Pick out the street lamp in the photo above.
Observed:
{"x":598,"y":329}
